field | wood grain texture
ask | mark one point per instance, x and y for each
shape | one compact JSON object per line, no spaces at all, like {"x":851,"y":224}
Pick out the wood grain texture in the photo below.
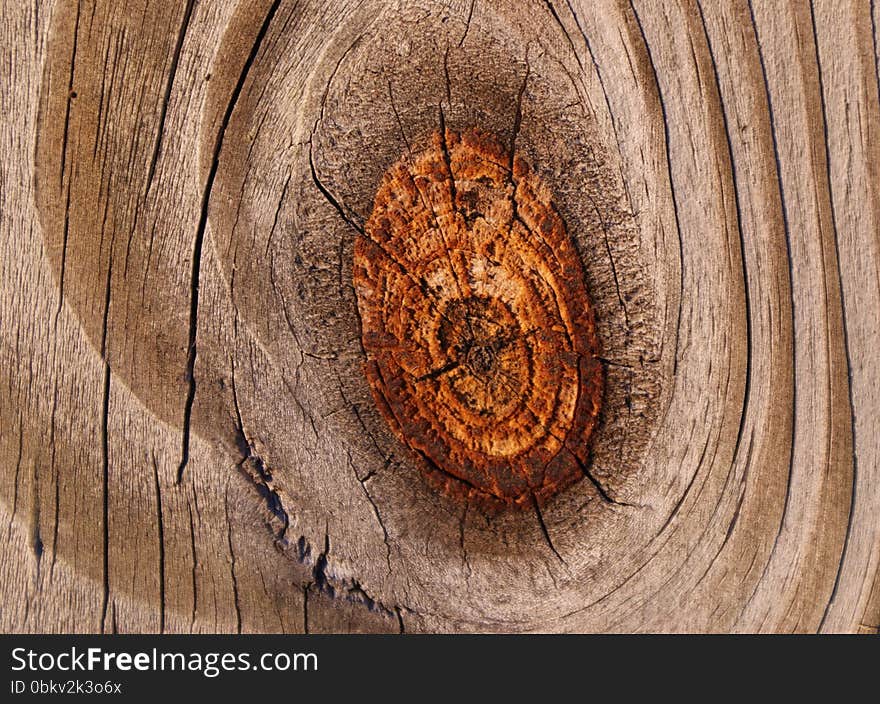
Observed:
{"x":192,"y":443}
{"x":478,"y":330}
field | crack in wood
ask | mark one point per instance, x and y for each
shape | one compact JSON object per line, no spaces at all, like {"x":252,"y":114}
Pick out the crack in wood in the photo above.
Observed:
{"x":199,"y":238}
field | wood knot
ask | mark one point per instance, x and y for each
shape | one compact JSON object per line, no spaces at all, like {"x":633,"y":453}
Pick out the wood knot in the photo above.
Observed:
{"x":477,"y":325}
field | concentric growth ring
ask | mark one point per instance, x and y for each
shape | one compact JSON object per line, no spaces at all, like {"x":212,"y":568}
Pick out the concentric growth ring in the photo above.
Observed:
{"x":477,"y":325}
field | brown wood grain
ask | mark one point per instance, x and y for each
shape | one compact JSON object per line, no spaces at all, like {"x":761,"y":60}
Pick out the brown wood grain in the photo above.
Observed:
{"x":478,"y":330}
{"x":192,"y":443}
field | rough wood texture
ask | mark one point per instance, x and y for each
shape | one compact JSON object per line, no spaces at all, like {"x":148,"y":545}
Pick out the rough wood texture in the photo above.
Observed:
{"x":192,"y":443}
{"x":478,"y":330}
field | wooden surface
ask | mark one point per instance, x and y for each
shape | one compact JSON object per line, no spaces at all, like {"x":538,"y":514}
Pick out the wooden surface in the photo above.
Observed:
{"x":478,"y":331}
{"x":191,"y":441}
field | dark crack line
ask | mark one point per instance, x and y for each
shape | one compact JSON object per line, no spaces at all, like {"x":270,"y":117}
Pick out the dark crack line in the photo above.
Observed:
{"x":517,"y":116}
{"x":427,"y":459}
{"x":199,"y":238}
{"x":730,"y":528}
{"x":363,"y":483}
{"x":105,"y":471}
{"x":568,"y":38}
{"x":320,"y":185}
{"x":792,"y":303}
{"x":332,"y":77}
{"x":747,"y":300}
{"x":319,"y":571}
{"x":357,"y":414}
{"x":607,"y":98}
{"x":328,"y":196}
{"x":161,"y":530}
{"x":595,"y":482}
{"x":608,"y":251}
{"x":461,"y":539}
{"x":508,"y":382}
{"x":544,"y":530}
{"x":875,"y":46}
{"x":743,"y":483}
{"x":447,"y":160}
{"x":305,"y":589}
{"x":433,"y":465}
{"x":64,"y":137}
{"x":64,"y":143}
{"x":274,"y":597}
{"x":105,"y":446}
{"x":195,"y":563}
{"x":739,"y":216}
{"x":64,"y":242}
{"x":467,"y":26}
{"x":55,"y":477}
{"x":36,"y":536}
{"x":672,"y":188}
{"x":514,"y":135}
{"x":852,"y":411}
{"x":620,"y":365}
{"x":348,"y":589}
{"x":434,"y":373}
{"x":15,"y":482}
{"x":446,"y":75}
{"x":235,"y":595}
{"x":99,"y":119}
{"x":281,"y":200}
{"x":166,"y":98}
{"x":263,"y":479}
{"x":678,"y":504}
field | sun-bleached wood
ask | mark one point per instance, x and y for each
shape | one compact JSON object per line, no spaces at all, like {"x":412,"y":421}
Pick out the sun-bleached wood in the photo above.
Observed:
{"x":191,"y":441}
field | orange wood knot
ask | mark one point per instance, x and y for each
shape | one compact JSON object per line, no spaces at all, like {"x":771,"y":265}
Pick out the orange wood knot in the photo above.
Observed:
{"x":477,"y":325}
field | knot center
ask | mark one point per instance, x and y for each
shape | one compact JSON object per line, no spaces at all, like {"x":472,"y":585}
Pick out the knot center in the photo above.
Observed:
{"x":481,"y":359}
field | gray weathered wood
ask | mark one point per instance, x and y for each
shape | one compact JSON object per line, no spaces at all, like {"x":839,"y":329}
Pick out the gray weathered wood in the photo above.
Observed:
{"x":191,"y":442}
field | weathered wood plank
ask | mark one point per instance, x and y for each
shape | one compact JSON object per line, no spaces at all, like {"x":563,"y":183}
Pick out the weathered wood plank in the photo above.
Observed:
{"x":191,"y":441}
